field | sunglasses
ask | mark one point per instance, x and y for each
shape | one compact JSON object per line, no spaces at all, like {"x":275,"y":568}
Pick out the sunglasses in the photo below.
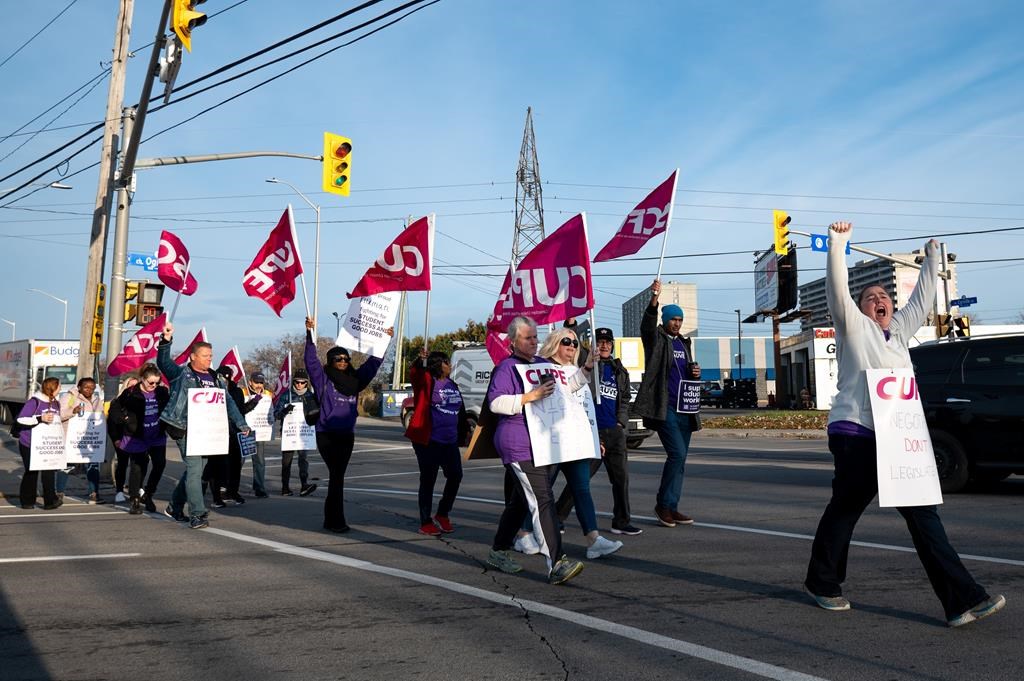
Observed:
{"x":151,"y":384}
{"x":569,"y":341}
{"x":342,"y":358}
{"x":300,"y":382}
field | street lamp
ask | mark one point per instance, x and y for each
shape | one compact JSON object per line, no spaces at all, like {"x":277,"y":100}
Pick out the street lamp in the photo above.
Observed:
{"x":739,"y":332}
{"x":52,"y":185}
{"x":59,"y":300}
{"x":13,"y":326}
{"x":336,"y":316}
{"x":316,"y":251}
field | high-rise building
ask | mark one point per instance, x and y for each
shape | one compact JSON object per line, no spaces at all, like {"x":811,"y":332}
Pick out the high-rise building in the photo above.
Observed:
{"x":898,"y":280}
{"x":672,"y":293}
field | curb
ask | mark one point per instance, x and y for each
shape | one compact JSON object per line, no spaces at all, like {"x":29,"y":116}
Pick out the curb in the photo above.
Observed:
{"x":761,"y":432}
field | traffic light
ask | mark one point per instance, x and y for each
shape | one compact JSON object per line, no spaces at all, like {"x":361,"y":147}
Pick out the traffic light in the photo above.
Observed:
{"x":184,"y":18}
{"x":131,"y":292}
{"x":149,"y":298}
{"x":963,"y":327}
{"x":942,"y":322}
{"x":781,"y":220}
{"x":787,"y":278}
{"x":96,"y":345}
{"x":337,"y":163}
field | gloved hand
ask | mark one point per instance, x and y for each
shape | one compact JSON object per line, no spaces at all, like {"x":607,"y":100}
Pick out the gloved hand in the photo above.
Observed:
{"x":288,"y":409}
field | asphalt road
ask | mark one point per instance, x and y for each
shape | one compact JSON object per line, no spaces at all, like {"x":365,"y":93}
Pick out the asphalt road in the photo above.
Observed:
{"x":89,"y":592}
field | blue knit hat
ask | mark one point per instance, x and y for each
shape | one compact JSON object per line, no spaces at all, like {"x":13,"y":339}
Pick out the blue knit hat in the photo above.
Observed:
{"x":671,"y":312}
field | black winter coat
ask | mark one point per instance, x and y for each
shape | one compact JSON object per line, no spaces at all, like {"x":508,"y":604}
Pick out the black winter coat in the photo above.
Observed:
{"x":127,"y":412}
{"x":652,"y":397}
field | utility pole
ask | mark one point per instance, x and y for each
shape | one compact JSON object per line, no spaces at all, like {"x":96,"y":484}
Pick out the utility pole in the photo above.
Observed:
{"x":105,"y":188}
{"x":529,"y":201}
{"x":739,"y":355}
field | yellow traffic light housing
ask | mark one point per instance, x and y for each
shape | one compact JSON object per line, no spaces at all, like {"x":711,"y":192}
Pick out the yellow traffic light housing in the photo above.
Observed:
{"x":781,"y":220}
{"x":942,"y":325}
{"x":184,"y":18}
{"x":337,"y":164}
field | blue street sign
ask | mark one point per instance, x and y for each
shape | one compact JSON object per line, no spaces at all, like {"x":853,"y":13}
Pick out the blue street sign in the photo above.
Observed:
{"x":819,"y":242}
{"x":964,"y":301}
{"x":144,"y":260}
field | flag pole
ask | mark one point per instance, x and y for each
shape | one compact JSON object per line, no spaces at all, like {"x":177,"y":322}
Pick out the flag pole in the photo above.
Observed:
{"x":289,"y":388}
{"x":593,"y":324}
{"x":184,"y":284}
{"x":241,"y":367}
{"x":298,"y":256}
{"x":430,"y":246}
{"x":668,"y":223}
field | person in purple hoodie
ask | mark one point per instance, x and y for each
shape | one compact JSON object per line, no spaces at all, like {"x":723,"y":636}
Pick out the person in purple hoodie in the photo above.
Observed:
{"x":507,"y":397}
{"x":337,"y":386}
{"x":41,"y":408}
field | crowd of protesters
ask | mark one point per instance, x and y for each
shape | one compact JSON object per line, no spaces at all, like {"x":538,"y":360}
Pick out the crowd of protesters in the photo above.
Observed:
{"x":153,"y":407}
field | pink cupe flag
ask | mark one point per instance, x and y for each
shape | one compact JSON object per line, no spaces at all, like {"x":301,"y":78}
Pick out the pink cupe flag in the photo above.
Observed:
{"x":552,"y":282}
{"x":649,"y":219}
{"x":271,"y":276}
{"x":140,"y":349}
{"x":233,"y":360}
{"x":174,"y":267}
{"x":200,"y":337}
{"x":404,"y":265}
{"x":284,"y":377}
{"x":497,"y":345}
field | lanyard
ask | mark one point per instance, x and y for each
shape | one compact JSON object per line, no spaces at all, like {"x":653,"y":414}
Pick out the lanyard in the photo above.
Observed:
{"x":675,"y":359}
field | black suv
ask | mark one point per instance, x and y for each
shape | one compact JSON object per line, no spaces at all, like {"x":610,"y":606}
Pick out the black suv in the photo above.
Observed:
{"x":972,"y":390}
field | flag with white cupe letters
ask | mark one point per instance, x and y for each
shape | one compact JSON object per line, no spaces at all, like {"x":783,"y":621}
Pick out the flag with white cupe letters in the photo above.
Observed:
{"x":174,"y":265}
{"x":233,"y":360}
{"x":648,"y":219}
{"x":182,"y":358}
{"x":907,"y":475}
{"x":284,"y":377}
{"x":405,"y":264}
{"x":271,"y":275}
{"x":141,"y":348}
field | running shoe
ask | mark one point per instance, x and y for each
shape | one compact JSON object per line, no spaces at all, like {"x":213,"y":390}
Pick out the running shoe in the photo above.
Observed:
{"x":987,"y":607}
{"x":565,"y":569}
{"x":504,"y":561}
{"x":602,"y":547}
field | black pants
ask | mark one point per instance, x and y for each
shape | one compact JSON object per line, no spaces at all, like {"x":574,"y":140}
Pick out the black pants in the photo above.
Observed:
{"x":286,"y":468}
{"x":430,"y":457}
{"x":532,"y":495}
{"x":233,"y":466}
{"x":123,"y":459}
{"x":215,"y":473}
{"x":854,"y":486}
{"x":336,"y":449}
{"x":30,"y":481}
{"x":616,"y":465}
{"x":137,"y":472}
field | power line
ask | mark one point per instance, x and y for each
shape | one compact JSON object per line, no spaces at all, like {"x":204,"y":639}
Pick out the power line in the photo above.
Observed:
{"x":24,"y":44}
{"x":18,"y":133}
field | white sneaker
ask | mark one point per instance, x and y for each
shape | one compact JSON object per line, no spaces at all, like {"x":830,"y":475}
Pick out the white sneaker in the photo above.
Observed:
{"x":602,"y":547}
{"x":527,"y":544}
{"x":119,"y":498}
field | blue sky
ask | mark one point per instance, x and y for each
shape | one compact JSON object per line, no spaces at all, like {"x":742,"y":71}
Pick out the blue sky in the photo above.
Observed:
{"x":905,"y":117}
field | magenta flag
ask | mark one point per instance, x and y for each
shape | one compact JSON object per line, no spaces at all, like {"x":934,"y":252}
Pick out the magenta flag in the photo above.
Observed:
{"x":284,"y":377}
{"x":552,"y":282}
{"x":404,"y":265}
{"x":187,"y":352}
{"x":140,"y":349}
{"x":649,"y":219}
{"x":272,"y":274}
{"x":497,"y":345}
{"x":233,"y":360}
{"x":174,"y":265}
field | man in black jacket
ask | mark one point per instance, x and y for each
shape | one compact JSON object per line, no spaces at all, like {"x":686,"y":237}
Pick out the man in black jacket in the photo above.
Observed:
{"x":234,"y":459}
{"x":668,"y":361}
{"x":612,"y":425}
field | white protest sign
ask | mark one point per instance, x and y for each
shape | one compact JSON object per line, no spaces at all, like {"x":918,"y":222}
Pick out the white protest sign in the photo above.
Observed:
{"x":47,"y":452}
{"x":86,"y":438}
{"x":296,"y":434}
{"x":906,"y":463}
{"x":207,"y":422}
{"x":563,"y":425}
{"x":366,"y":324}
{"x":261,"y":420}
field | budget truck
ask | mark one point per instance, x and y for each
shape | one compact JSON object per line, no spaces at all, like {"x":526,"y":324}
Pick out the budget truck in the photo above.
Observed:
{"x":25,"y":363}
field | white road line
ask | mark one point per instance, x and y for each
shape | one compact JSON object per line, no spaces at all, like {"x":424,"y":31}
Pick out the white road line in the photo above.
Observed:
{"x":44,"y":559}
{"x":61,"y":515}
{"x":715,"y":526}
{"x":712,"y":655}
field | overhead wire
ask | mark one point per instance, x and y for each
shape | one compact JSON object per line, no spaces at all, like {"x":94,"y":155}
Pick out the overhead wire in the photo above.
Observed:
{"x":36,"y":34}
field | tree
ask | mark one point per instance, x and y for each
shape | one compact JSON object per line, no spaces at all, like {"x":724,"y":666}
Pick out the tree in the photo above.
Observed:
{"x":474,"y":333}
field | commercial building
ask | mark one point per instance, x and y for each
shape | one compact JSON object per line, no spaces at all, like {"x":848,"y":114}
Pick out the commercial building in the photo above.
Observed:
{"x":672,"y":293}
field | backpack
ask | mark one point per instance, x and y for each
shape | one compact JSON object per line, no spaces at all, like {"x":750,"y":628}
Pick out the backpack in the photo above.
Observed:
{"x":17,"y":428}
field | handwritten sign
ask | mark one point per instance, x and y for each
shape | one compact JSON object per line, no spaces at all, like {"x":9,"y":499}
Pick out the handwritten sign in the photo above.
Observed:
{"x":261,"y":420}
{"x":907,"y":475}
{"x":296,"y":434}
{"x":563,"y":425}
{"x":366,"y":324}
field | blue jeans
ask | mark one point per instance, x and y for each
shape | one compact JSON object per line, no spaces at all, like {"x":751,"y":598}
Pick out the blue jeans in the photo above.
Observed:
{"x":675,"y":438}
{"x":92,"y":475}
{"x":259,"y":470}
{"x":577,"y":481}
{"x":190,"y":487}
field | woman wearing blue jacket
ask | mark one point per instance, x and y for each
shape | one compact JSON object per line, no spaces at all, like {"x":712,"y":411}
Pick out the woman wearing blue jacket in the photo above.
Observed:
{"x":337,"y":386}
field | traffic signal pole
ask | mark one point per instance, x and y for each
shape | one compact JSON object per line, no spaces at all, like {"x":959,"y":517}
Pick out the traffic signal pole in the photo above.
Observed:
{"x":944,"y":273}
{"x":115,"y":298}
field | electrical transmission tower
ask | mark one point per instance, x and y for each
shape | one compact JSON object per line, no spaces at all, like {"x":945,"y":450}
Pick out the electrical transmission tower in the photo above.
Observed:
{"x":529,"y":204}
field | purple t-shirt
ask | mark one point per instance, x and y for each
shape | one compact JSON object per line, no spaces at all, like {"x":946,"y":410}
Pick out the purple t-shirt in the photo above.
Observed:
{"x":151,"y":435}
{"x":511,"y":438}
{"x":607,"y":411}
{"x":206,"y":379}
{"x":445,"y":402}
{"x":677,"y":371}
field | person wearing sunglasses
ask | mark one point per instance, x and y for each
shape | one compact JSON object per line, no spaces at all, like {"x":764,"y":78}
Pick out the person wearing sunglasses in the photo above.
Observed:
{"x":337,"y":386}
{"x":295,"y":396}
{"x":254,"y":393}
{"x":563,"y":348}
{"x":136,"y":416}
{"x":437,"y":426}
{"x":669,"y":361}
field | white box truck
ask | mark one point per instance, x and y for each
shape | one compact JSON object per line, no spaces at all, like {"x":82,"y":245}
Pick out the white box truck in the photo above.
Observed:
{"x":25,"y":363}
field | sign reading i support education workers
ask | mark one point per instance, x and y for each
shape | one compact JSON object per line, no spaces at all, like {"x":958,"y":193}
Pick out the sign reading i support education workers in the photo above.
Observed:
{"x":906,"y":463}
{"x":207,"y":422}
{"x":563,"y":425}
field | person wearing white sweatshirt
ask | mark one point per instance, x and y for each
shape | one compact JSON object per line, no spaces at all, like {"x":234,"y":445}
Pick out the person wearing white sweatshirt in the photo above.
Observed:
{"x":870,"y":334}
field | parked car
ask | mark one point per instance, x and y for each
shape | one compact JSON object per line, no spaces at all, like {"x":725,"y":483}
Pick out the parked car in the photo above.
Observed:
{"x":972,"y":390}
{"x":711,"y":394}
{"x":637,"y":433}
